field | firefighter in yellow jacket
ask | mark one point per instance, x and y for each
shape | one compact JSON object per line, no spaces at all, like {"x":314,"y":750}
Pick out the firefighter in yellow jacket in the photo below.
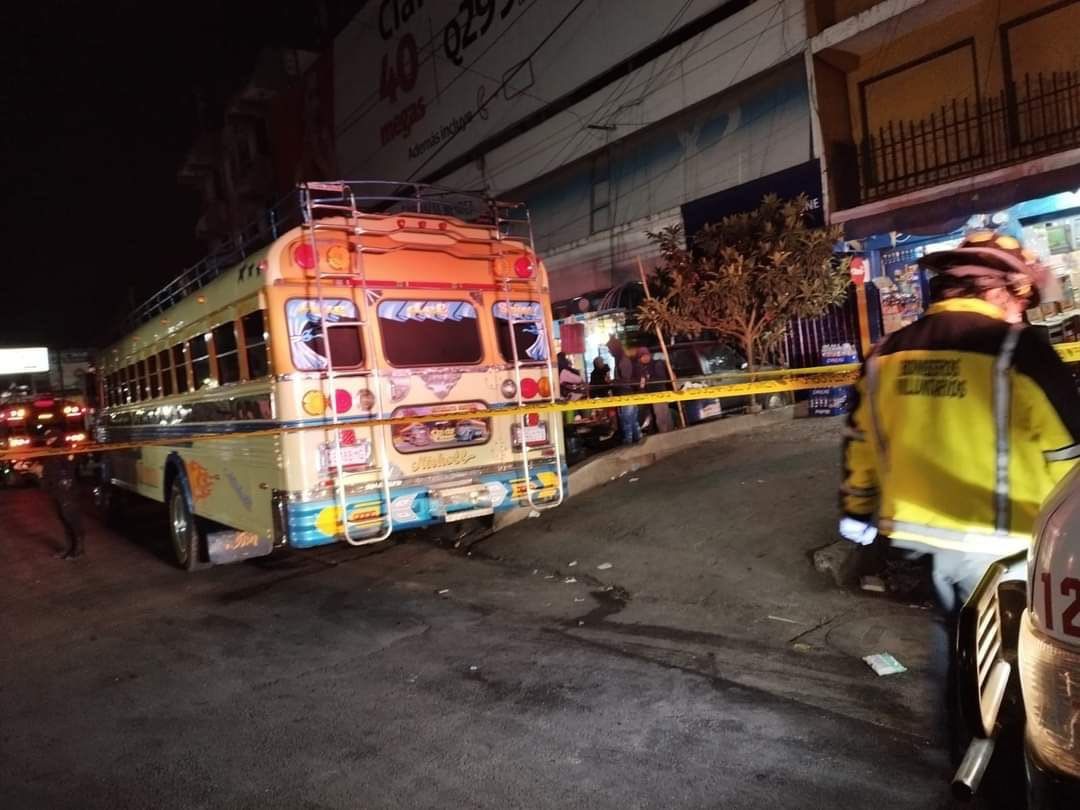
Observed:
{"x":963,"y":421}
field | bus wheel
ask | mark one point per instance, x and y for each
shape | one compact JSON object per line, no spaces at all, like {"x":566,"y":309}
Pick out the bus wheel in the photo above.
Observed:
{"x":184,"y":529}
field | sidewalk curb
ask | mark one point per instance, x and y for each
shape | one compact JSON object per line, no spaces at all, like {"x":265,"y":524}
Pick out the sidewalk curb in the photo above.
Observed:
{"x":602,"y":468}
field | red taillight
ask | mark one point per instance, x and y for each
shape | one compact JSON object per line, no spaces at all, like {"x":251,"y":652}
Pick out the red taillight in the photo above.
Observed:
{"x":304,"y":256}
{"x":523,"y":267}
{"x":529,"y":388}
{"x":342,"y":400}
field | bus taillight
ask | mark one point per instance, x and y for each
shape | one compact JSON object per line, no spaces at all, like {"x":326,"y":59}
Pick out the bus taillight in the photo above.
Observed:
{"x":523,"y":267}
{"x":304,"y":256}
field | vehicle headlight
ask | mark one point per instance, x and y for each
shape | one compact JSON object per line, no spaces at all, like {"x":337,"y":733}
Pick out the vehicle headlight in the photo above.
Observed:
{"x":1050,"y":677}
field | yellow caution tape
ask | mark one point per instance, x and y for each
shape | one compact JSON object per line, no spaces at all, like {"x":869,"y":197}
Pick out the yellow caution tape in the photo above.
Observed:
{"x":762,"y":382}
{"x":724,"y":386}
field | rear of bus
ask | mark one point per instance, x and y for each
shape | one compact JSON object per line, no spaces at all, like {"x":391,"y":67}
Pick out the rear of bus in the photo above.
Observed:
{"x":424,"y":315}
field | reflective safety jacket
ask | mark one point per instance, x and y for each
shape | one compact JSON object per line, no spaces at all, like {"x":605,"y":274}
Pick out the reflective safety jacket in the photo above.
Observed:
{"x":962,"y":424}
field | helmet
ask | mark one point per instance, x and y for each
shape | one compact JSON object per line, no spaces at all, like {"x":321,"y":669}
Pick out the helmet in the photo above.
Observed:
{"x":990,"y":260}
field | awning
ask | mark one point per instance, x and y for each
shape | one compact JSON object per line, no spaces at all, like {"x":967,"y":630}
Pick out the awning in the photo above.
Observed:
{"x":944,"y":208}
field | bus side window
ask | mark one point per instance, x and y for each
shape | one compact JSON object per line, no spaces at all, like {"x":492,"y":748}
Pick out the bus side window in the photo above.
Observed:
{"x":180,"y":364}
{"x":144,"y":383}
{"x":228,"y":358}
{"x":165,"y":366}
{"x":132,"y":394}
{"x":199,"y":349}
{"x":254,"y":329}
{"x":152,"y":371}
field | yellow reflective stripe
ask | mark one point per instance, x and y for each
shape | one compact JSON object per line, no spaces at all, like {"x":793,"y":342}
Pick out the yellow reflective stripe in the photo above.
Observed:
{"x":1063,"y":453}
{"x":954,"y":539}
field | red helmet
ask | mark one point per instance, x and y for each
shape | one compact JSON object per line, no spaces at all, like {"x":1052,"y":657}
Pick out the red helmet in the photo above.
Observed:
{"x":992,"y":260}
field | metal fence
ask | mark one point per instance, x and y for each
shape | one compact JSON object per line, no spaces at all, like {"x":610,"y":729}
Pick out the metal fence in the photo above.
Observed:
{"x":1027,"y":119}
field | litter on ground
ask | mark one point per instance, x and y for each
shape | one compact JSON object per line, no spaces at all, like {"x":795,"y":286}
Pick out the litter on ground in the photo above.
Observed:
{"x":884,"y":664}
{"x":872,"y":583}
{"x":604,"y":566}
{"x":782,"y":619}
{"x":569,"y":581}
{"x":534,"y":513}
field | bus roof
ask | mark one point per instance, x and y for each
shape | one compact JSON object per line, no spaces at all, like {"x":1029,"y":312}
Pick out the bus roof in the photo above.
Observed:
{"x":236,"y":273}
{"x":380,"y":197}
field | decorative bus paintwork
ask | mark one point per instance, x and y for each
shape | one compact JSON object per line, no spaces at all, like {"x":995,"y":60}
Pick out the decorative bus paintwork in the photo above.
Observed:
{"x":427,"y":298}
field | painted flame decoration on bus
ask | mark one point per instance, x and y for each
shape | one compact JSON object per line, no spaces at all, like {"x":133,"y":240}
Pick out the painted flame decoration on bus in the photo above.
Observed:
{"x":532,"y":313}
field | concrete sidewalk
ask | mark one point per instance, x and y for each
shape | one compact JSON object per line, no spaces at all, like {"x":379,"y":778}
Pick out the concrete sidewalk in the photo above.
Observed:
{"x":703,"y":560}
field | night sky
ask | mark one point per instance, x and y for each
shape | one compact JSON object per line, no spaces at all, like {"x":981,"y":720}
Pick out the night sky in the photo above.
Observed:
{"x":99,"y":109}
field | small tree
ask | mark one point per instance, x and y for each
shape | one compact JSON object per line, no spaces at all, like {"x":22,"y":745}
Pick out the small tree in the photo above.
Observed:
{"x":747,"y":277}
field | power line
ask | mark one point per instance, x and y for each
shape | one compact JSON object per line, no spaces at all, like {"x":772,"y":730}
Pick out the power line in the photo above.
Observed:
{"x":487,"y":100}
{"x":356,"y":118}
{"x":756,"y":37}
{"x":691,"y":155}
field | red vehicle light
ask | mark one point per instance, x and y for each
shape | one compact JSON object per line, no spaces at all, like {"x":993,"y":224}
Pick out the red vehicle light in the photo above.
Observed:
{"x":523,"y":267}
{"x":529,"y":388}
{"x":304,"y":256}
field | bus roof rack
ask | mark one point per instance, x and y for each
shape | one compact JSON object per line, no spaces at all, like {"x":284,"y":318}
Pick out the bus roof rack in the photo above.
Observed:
{"x":376,"y":197}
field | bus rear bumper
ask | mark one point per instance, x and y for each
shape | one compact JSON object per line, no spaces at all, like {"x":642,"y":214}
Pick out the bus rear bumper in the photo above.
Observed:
{"x":318,"y":523}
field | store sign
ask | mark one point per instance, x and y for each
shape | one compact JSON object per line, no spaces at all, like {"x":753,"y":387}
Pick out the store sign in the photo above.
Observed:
{"x":858,"y":270}
{"x":420,"y":82}
{"x":24,"y":361}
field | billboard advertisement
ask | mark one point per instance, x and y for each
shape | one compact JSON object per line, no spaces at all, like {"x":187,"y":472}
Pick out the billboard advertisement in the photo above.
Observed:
{"x":420,"y":83}
{"x":29,"y":360}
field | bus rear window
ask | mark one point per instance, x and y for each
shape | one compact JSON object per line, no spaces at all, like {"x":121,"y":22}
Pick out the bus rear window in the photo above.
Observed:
{"x":306,"y":343}
{"x":430,"y":333}
{"x":530,"y":336}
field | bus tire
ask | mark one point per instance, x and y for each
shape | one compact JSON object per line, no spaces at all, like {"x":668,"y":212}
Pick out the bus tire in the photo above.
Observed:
{"x":185,"y":529}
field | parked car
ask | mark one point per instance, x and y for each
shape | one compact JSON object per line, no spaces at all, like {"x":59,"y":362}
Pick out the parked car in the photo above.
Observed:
{"x":696,"y":364}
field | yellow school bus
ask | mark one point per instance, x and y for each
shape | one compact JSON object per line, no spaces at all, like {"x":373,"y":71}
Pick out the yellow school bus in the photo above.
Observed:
{"x":244,"y":397}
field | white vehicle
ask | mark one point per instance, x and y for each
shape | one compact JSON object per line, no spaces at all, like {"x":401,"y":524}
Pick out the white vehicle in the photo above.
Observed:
{"x":1030,"y":630}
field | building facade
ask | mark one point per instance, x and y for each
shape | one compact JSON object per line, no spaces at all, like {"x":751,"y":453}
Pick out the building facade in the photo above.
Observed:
{"x":606,"y":116}
{"x":933,"y":117}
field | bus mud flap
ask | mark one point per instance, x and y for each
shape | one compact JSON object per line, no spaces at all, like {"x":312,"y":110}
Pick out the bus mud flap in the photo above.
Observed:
{"x":233,"y":546}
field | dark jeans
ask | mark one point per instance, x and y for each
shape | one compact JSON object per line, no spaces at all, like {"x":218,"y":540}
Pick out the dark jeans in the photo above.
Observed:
{"x":71,"y":518}
{"x":628,"y":423}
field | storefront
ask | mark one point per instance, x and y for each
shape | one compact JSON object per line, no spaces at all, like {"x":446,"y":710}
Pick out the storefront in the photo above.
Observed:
{"x":1048,"y":225}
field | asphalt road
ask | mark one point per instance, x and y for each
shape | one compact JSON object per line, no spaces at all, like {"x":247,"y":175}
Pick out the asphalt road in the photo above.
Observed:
{"x":415,"y":676}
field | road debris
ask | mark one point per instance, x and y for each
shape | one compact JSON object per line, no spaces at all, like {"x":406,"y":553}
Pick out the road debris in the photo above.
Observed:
{"x":569,"y":581}
{"x":473,"y":668}
{"x":443,"y":591}
{"x":873,"y":583}
{"x":572,"y":564}
{"x":884,"y":664}
{"x":604,"y":566}
{"x":579,"y":598}
{"x":782,"y":619}
{"x":533,"y":513}
{"x":633,"y":480}
{"x":800,"y":646}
